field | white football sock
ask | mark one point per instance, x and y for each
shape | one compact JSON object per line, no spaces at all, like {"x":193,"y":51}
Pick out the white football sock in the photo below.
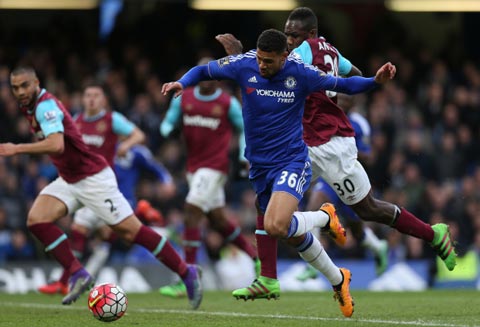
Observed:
{"x":98,"y":258}
{"x":303,"y":222}
{"x":371,"y":241}
{"x":312,"y":251}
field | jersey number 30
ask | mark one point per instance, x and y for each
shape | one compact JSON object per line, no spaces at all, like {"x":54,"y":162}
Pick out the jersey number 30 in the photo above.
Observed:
{"x":347,"y":186}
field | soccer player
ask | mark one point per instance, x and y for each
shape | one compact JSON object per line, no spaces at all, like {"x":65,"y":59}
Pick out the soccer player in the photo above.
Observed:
{"x":328,"y":268}
{"x":85,"y":180}
{"x":208,"y":116}
{"x":128,"y":170}
{"x":322,"y":192}
{"x":274,"y":88}
{"x":106,"y":133}
{"x":330,"y":139}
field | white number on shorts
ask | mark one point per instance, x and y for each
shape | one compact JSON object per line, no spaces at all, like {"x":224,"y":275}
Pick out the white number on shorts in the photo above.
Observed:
{"x":347,"y":185}
{"x":291,"y":180}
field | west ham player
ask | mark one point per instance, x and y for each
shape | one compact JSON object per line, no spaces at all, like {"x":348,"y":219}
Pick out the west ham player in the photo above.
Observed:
{"x":332,"y":149}
{"x":106,"y":133}
{"x":208,"y":115}
{"x":85,"y":180}
{"x":274,"y":87}
{"x":128,"y":170}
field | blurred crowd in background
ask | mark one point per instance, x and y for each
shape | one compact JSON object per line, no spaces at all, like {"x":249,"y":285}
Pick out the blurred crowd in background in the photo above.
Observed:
{"x":425,"y":124}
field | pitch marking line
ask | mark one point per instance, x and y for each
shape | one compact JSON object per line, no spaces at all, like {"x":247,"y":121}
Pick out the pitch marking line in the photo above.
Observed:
{"x":247,"y":315}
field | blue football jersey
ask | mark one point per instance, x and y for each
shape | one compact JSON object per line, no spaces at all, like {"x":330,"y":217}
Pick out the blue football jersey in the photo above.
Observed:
{"x":129,"y":168}
{"x":272,"y":108}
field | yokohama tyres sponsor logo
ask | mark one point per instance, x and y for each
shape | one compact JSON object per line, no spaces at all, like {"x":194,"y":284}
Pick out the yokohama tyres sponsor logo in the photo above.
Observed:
{"x":282,"y":96}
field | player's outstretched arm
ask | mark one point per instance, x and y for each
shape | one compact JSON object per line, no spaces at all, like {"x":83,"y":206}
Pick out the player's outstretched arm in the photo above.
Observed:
{"x":385,"y":73}
{"x":230,"y":43}
{"x":190,"y":78}
{"x":7,"y":149}
{"x":52,"y":144}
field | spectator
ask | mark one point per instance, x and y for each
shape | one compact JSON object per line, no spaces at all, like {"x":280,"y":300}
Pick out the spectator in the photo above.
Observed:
{"x":20,"y":247}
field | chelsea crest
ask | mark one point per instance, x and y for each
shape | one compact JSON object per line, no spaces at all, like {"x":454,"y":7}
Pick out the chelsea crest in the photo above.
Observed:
{"x":290,"y":82}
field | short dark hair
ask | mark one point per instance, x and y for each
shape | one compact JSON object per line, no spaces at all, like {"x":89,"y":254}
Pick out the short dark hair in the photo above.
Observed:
{"x":23,"y":70}
{"x":306,"y":16}
{"x":272,"y":40}
{"x":94,"y":84}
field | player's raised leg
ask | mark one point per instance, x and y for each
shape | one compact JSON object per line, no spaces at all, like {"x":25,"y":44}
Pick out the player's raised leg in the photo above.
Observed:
{"x":280,"y":221}
{"x":438,"y":236}
{"x":132,"y":230}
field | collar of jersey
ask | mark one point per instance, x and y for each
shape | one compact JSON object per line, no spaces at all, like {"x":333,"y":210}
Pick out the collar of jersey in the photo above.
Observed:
{"x":201,"y":97}
{"x":42,"y":92}
{"x":102,"y":113}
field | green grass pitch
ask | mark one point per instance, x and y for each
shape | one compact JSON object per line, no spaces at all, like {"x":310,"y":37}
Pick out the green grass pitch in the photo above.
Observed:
{"x":446,"y":308}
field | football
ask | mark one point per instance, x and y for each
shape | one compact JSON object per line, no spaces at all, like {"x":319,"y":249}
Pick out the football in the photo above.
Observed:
{"x":107,"y":302}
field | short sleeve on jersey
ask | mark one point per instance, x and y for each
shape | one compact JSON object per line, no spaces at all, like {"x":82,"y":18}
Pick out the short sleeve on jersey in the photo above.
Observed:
{"x":344,"y":65}
{"x":224,"y":68}
{"x":172,"y":116}
{"x":50,"y":117}
{"x":121,"y":125}
{"x":304,"y":52}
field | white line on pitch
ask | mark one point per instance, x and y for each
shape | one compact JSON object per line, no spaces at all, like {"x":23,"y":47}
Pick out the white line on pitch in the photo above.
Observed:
{"x":247,"y":315}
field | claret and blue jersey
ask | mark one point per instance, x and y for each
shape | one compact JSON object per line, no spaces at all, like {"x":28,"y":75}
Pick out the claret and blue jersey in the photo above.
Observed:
{"x":304,"y":52}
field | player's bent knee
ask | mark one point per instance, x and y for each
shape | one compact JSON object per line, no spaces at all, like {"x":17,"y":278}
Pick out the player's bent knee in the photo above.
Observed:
{"x":276,"y":230}
{"x":128,"y":228}
{"x":84,"y":230}
{"x":34,"y":218}
{"x":126,"y":235}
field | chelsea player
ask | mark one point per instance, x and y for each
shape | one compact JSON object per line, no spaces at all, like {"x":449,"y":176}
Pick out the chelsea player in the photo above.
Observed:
{"x":274,"y":87}
{"x":328,"y":134}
